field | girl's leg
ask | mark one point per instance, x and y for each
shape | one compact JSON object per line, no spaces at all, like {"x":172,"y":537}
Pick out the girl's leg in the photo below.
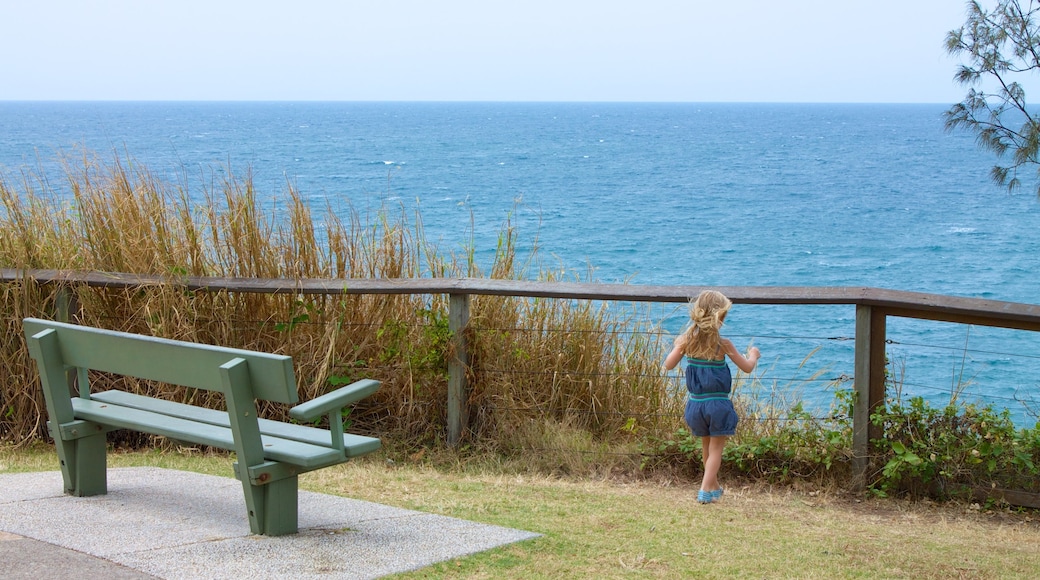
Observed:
{"x":713,"y":447}
{"x":705,"y":455}
{"x":704,"y":495}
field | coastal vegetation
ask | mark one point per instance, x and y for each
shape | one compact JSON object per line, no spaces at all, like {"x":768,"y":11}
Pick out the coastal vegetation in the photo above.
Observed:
{"x":557,"y":387}
{"x":1000,"y":47}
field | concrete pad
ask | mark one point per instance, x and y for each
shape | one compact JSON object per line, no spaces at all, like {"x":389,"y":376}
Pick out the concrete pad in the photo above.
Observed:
{"x":174,"y":524}
{"x":28,"y":559}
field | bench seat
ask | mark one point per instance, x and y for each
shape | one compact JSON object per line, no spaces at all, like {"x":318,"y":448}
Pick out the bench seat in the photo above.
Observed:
{"x":353,"y":445}
{"x":275,"y":448}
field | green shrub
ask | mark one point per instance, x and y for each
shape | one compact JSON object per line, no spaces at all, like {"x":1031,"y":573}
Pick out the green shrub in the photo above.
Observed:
{"x":773,"y":443}
{"x":952,"y":452}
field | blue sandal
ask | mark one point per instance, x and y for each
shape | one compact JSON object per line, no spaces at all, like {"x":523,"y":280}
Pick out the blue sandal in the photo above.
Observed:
{"x":705,"y":496}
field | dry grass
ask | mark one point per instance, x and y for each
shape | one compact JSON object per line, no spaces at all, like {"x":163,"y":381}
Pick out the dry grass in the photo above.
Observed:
{"x":578,"y":364}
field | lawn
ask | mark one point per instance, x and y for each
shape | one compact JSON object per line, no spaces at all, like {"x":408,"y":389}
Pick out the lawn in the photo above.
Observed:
{"x":656,"y":529}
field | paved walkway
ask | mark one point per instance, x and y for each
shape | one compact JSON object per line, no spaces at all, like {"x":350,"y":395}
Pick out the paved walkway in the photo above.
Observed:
{"x":159,"y":523}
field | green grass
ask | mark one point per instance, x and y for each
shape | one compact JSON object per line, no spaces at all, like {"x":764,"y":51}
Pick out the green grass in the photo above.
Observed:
{"x":596,"y":528}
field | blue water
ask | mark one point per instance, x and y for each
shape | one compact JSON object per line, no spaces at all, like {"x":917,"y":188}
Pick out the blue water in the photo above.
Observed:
{"x":701,"y":194}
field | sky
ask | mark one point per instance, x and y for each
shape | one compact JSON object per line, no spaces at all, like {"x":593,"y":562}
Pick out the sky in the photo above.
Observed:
{"x":859,"y":51}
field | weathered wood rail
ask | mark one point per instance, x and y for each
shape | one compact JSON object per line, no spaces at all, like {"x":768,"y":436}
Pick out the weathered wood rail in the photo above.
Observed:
{"x":873,"y":307}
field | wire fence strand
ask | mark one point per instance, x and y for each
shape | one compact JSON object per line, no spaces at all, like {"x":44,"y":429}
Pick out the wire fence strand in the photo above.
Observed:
{"x":777,"y":380}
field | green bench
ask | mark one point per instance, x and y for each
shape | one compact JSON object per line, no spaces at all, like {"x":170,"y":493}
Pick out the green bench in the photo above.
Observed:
{"x":270,"y":454}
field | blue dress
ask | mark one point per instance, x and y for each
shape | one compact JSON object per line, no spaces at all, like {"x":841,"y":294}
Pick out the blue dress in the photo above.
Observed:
{"x":709,"y":410}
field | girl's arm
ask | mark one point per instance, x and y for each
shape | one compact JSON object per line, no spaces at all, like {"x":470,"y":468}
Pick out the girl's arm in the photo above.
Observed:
{"x":744,"y":363}
{"x":675,"y":356}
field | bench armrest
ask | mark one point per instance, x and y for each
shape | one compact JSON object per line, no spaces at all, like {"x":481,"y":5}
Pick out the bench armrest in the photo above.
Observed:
{"x":333,"y":403}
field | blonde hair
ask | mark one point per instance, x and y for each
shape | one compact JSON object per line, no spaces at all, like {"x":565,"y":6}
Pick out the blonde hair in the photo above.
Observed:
{"x":708,"y":311}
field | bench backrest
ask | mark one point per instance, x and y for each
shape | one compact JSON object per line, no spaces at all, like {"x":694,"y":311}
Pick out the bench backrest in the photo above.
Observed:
{"x":175,"y":362}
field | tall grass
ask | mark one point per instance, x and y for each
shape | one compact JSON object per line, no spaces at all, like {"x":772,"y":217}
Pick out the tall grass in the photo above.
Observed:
{"x":538,"y":367}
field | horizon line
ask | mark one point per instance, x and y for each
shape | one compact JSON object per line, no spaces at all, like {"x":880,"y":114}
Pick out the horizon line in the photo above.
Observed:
{"x":474,"y":101}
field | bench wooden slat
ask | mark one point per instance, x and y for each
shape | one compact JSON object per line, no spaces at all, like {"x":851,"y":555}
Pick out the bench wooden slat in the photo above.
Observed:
{"x":169,"y":361}
{"x":353,"y":445}
{"x":334,"y":401}
{"x":284,"y":450}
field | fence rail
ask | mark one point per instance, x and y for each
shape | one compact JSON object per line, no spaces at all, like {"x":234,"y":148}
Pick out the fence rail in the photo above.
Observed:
{"x":873,"y":307}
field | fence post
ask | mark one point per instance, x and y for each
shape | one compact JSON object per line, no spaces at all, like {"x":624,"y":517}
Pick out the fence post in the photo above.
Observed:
{"x":870,"y":387}
{"x":62,"y":311}
{"x":62,"y":303}
{"x":458,"y":318}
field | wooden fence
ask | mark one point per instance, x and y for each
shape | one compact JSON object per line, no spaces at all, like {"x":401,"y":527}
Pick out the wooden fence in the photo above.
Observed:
{"x":873,"y":307}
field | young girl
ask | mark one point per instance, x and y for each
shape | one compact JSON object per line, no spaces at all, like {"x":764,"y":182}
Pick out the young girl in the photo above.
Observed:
{"x":709,"y":412}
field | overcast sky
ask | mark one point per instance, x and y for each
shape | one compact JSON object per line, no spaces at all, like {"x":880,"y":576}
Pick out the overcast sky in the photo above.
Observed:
{"x":480,"y":50}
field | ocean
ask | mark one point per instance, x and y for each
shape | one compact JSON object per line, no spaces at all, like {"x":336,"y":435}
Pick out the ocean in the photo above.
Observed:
{"x":697,"y":193}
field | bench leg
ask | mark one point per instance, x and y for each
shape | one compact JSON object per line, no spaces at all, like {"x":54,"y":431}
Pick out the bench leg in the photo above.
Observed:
{"x":255,"y":506}
{"x":281,"y":516}
{"x":272,"y":508}
{"x":83,"y":465}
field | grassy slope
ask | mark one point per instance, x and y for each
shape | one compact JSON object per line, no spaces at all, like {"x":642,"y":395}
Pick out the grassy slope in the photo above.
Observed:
{"x":656,"y":529}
